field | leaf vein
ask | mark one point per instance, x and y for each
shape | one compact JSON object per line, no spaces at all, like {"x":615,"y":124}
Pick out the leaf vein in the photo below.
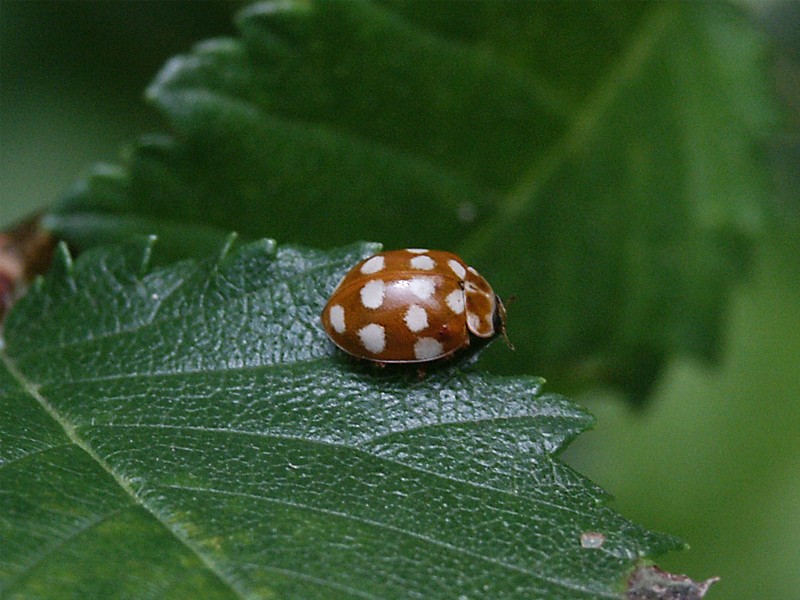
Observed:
{"x":200,"y":371}
{"x":124,"y":484}
{"x":62,"y":542}
{"x":359,"y":450}
{"x":37,"y":350}
{"x":385,"y":526}
{"x":33,"y":454}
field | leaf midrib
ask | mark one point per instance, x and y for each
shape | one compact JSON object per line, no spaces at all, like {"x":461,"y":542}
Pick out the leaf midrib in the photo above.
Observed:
{"x":579,"y":132}
{"x":69,"y":430}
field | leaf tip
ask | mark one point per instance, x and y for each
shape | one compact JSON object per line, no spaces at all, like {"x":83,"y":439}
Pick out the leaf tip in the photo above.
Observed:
{"x":228,"y":245}
{"x":269,"y":8}
{"x":63,"y":264}
{"x":148,"y":245}
{"x":266,"y":245}
{"x":232,"y":247}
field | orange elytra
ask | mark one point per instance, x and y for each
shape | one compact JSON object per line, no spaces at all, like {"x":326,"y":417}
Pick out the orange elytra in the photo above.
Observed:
{"x":411,"y":306}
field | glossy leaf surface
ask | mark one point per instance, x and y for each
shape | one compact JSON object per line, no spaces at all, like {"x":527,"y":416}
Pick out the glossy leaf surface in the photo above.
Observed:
{"x":189,"y":431}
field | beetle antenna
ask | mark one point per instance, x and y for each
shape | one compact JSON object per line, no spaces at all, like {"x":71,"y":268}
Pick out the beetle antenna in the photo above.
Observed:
{"x":501,"y":313}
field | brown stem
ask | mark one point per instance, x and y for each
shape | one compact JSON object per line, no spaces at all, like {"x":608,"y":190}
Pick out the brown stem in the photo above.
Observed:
{"x":26,"y":251}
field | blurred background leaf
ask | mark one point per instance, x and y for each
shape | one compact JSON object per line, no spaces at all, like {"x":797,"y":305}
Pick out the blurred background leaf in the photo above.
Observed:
{"x":718,"y":452}
{"x":71,"y":85}
{"x":627,"y":139}
{"x":596,"y":162}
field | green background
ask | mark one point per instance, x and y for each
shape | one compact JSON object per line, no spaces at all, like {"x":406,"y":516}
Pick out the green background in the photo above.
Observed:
{"x":714,"y":458}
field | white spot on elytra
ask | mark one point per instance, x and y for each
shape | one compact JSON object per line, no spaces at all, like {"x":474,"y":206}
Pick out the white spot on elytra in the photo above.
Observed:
{"x":416,"y":318}
{"x":417,"y":250}
{"x":422,"y":287}
{"x":373,"y":337}
{"x":373,"y":265}
{"x":426,"y":263}
{"x":455,"y":300}
{"x":372,"y":294}
{"x":336,"y":315}
{"x":457,"y":267}
{"x":428,"y":348}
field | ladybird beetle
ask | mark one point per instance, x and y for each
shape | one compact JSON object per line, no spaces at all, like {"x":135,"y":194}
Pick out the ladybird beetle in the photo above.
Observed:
{"x":411,"y":306}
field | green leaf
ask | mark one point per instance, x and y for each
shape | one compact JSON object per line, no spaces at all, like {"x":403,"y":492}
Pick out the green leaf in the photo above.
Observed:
{"x":189,"y":431}
{"x":595,"y":160}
